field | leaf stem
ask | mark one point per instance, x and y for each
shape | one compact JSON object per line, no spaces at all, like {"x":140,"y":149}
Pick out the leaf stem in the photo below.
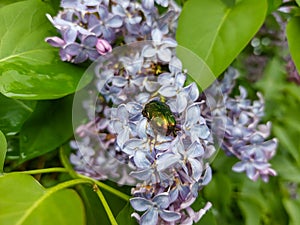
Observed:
{"x":106,"y":206}
{"x":73,"y":174}
{"x":44,"y":170}
{"x":106,"y":187}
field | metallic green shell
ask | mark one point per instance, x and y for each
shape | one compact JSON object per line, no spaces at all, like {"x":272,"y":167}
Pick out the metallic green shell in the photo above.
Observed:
{"x":160,"y":117}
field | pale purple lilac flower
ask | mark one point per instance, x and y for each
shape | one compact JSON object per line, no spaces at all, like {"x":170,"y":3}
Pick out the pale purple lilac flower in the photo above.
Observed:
{"x":89,"y":29}
{"x":244,"y":136}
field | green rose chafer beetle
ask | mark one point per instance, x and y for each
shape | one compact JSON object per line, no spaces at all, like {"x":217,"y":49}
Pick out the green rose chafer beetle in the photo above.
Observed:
{"x":160,"y":117}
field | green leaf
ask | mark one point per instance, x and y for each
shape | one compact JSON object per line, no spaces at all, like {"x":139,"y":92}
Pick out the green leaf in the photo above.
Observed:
{"x":48,"y":127}
{"x":219,"y":199}
{"x":273,"y":5}
{"x":292,"y":207}
{"x":3,"y":149}
{"x":197,"y":69}
{"x":293,"y":33}
{"x":29,"y":67}
{"x":286,"y":140}
{"x":124,"y":217}
{"x":13,"y":113}
{"x":298,"y":2}
{"x":7,"y":2}
{"x":25,"y":202}
{"x":217,"y":32}
{"x":251,"y":212}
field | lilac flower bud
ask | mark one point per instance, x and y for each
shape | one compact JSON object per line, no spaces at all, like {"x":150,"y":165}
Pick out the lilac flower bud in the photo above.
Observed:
{"x":103,"y":46}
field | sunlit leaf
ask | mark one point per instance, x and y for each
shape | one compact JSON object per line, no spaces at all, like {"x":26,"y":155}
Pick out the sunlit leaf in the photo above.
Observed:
{"x":29,"y":67}
{"x":13,"y":113}
{"x":293,"y":33}
{"x":3,"y":149}
{"x":217,"y":32}
{"x":47,"y":128}
{"x":25,"y":202}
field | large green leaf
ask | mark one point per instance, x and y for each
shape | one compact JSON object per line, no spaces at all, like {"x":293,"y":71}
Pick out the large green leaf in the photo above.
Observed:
{"x":25,"y":202}
{"x":3,"y":149}
{"x":293,"y":33}
{"x":217,"y":30}
{"x":13,"y":113}
{"x":197,"y":69}
{"x":48,"y":127}
{"x":29,"y":67}
{"x":298,"y":2}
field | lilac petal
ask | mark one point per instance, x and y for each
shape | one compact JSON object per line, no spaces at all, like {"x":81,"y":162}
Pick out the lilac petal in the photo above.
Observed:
{"x":166,"y":160}
{"x":239,"y":167}
{"x":169,"y":216}
{"x":90,"y":41}
{"x":135,"y":20}
{"x":196,"y":168}
{"x":140,"y":204}
{"x":103,"y":12}
{"x":142,"y":127}
{"x":175,"y":65}
{"x":93,"y":54}
{"x":251,"y":171}
{"x":142,"y":174}
{"x":156,"y":35}
{"x":169,"y":42}
{"x":81,"y":57}
{"x":132,"y":145}
{"x":123,"y":113}
{"x":207,"y":176}
{"x":195,"y":150}
{"x":167,"y":91}
{"x":192,"y":114}
{"x":148,"y":4}
{"x":114,"y":22}
{"x":162,"y":200}
{"x":164,"y":54}
{"x":203,"y":131}
{"x":122,"y":137}
{"x":194,"y":92}
{"x":119,"y":81}
{"x":148,"y":52}
{"x":180,"y":79}
{"x":150,"y":217}
{"x":142,"y":97}
{"x":181,"y":103}
{"x":162,"y":146}
{"x":70,"y":35}
{"x":151,"y":86}
{"x":64,"y":56}
{"x":140,"y":160}
{"x":73,"y":49}
{"x":108,"y":34}
{"x":55,"y":41}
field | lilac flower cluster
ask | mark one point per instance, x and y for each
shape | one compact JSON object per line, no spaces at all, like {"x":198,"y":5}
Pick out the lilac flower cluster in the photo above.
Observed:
{"x":244,"y":137}
{"x":89,"y":28}
{"x":146,"y":117}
